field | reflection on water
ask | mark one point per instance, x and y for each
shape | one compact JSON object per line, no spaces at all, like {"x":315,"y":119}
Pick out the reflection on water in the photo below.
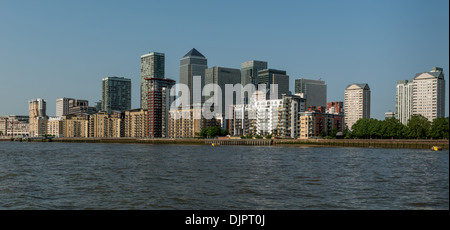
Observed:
{"x":134,"y":176}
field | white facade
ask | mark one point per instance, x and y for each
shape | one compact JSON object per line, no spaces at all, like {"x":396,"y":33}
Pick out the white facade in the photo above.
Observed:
{"x":403,"y":101}
{"x":62,"y":106}
{"x":428,"y":96}
{"x":356,"y":104}
{"x":423,"y":95}
{"x":267,"y":116}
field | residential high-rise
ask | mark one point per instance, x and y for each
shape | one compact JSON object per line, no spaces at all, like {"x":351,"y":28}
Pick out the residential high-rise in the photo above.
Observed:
{"x":424,"y":95}
{"x":271,"y":77}
{"x":193,"y":64}
{"x":289,"y":116}
{"x":315,"y":90}
{"x":55,"y":126}
{"x":159,"y":101}
{"x":428,"y":96}
{"x":316,"y":122}
{"x":38,"y":117}
{"x":222,"y":76}
{"x":403,"y":101}
{"x":356,"y":103}
{"x":135,"y":123}
{"x":116,"y":94}
{"x":106,"y":125}
{"x":152,"y":66}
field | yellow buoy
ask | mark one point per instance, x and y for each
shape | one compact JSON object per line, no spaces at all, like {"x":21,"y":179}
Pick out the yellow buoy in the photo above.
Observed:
{"x":436,"y":148}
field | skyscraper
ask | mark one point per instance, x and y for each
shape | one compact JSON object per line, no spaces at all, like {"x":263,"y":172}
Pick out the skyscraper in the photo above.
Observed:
{"x":38,"y":117}
{"x":116,"y":94}
{"x":424,"y":95}
{"x":249,"y":71}
{"x":62,"y":106}
{"x":274,"y":77}
{"x":249,"y":74}
{"x":152,"y":66}
{"x":193,"y":64}
{"x":403,"y":101}
{"x":222,"y":76}
{"x":315,"y":90}
{"x":159,"y":101}
{"x":356,"y":103}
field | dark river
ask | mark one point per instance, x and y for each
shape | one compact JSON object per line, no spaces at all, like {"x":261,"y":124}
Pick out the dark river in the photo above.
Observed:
{"x":138,"y":176}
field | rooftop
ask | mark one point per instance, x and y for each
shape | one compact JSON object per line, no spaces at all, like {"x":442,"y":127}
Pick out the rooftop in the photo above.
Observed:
{"x":194,"y":53}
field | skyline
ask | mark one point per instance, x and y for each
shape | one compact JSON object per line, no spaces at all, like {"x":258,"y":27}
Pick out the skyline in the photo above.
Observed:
{"x":55,"y":49}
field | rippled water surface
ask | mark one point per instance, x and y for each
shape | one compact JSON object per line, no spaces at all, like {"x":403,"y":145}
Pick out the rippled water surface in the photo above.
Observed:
{"x":138,"y":176}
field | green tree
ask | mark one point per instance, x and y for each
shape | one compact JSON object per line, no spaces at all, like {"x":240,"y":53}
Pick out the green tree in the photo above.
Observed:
{"x":418,"y":126}
{"x":439,"y":128}
{"x":361,"y":128}
{"x":375,"y":128}
{"x":213,"y":132}
{"x":334,"y":132}
{"x":392,"y":128}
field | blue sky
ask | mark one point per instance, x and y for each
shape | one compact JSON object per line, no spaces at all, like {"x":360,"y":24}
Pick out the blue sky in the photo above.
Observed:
{"x":63,"y":48}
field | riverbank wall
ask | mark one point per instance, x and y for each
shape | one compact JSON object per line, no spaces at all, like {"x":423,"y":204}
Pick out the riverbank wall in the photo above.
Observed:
{"x":363,"y":143}
{"x":369,"y":143}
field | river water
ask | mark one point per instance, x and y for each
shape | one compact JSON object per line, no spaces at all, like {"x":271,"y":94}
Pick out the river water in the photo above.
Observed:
{"x":188,"y":177}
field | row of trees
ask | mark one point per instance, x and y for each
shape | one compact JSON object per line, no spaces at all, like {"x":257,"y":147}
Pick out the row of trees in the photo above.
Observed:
{"x":418,"y":127}
{"x":212,"y":132}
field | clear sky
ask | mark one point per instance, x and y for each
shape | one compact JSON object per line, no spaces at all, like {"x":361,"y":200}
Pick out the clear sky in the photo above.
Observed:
{"x":63,"y":48}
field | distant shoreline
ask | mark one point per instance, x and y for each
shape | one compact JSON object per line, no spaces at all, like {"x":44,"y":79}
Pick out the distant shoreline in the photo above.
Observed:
{"x":363,"y":143}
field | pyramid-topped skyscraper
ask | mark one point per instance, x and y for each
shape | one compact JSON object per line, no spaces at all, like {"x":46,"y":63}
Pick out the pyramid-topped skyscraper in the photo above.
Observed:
{"x":193,"y":64}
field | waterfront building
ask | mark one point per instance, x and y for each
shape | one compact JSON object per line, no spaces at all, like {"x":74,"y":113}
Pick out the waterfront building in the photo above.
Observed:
{"x":424,"y":95}
{"x":316,"y":122}
{"x":116,"y":94}
{"x":193,"y":64}
{"x":135,"y":123}
{"x":242,"y":120}
{"x":37,"y":117}
{"x":76,"y":126}
{"x":106,"y":125}
{"x":159,"y":101}
{"x":266,"y":121}
{"x":315,"y":90}
{"x":289,"y":116}
{"x":279,"y":117}
{"x":14,"y":125}
{"x":271,"y":77}
{"x":188,"y":122}
{"x":428,"y":96}
{"x":55,"y":126}
{"x":221,"y":76}
{"x":356,"y":103}
{"x":403,"y":101}
{"x":152,"y":66}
